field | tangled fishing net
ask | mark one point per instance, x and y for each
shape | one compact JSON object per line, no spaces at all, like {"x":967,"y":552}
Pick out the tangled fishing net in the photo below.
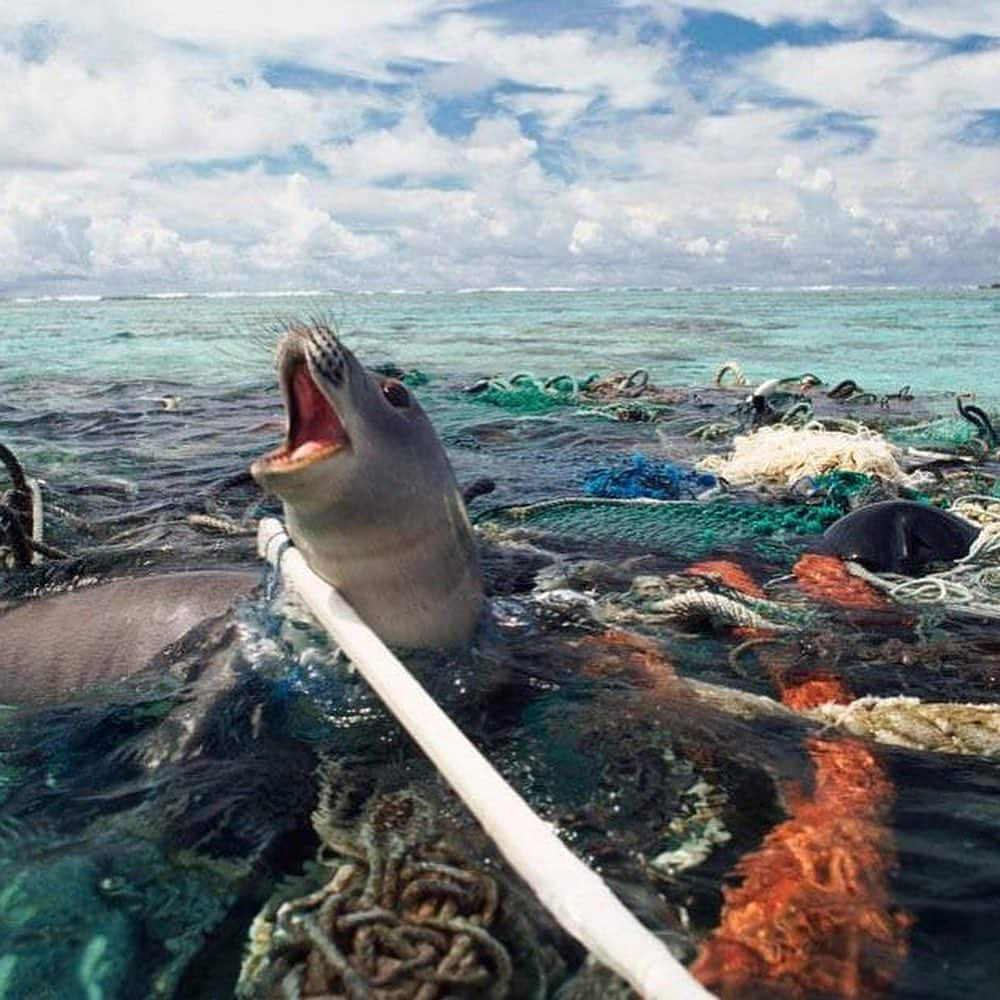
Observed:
{"x":388,"y":910}
{"x":787,"y":454}
{"x":627,"y":397}
{"x":642,"y":477}
{"x":682,"y":528}
{"x":813,"y":915}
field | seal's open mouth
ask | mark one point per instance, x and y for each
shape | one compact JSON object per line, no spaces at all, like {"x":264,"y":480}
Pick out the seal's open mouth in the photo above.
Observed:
{"x":315,"y":431}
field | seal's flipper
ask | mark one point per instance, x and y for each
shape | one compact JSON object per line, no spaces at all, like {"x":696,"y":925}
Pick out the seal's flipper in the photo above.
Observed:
{"x":898,"y":536}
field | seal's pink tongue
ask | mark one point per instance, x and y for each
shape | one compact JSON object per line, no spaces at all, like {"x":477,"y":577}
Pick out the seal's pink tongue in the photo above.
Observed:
{"x":316,"y":426}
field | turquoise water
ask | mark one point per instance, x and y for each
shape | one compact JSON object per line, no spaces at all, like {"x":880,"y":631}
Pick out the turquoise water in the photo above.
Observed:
{"x":935,"y":341}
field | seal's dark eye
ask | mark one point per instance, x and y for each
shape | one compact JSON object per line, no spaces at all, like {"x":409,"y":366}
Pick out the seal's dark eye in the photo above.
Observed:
{"x":396,"y":393}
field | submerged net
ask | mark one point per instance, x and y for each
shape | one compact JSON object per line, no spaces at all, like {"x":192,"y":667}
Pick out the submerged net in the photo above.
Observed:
{"x":622,"y":783}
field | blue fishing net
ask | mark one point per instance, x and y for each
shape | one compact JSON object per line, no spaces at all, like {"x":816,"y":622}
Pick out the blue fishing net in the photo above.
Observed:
{"x":642,"y":477}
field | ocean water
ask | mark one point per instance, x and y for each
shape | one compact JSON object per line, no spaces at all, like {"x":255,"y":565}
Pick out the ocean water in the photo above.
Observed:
{"x":140,"y":415}
{"x":934,"y":341}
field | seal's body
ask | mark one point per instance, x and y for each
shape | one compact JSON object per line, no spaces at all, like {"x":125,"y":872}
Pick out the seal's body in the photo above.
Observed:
{"x":899,"y":536}
{"x":54,"y":646}
{"x":370,"y":498}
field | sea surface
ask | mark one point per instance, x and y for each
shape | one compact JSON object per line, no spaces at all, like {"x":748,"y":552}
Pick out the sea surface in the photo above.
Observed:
{"x":933,"y":340}
{"x":140,"y":416}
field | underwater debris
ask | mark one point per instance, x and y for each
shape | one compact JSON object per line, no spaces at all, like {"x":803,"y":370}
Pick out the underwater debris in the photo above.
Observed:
{"x":397,"y":913}
{"x":814,"y":914}
{"x":828,"y":579}
{"x":695,"y":831}
{"x":595,"y":982}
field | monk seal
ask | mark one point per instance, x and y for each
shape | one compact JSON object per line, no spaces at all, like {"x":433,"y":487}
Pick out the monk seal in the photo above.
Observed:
{"x":370,"y":498}
{"x":898,"y":536}
{"x":55,"y":646}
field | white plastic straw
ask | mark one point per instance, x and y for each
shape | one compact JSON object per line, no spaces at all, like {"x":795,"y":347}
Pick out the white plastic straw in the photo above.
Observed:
{"x":571,"y":892}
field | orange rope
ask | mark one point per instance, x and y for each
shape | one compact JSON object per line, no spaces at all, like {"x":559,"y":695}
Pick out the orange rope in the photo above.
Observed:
{"x":728,"y":573}
{"x":620,"y":652}
{"x":813,"y":915}
{"x":826,"y":579}
{"x":816,"y":691}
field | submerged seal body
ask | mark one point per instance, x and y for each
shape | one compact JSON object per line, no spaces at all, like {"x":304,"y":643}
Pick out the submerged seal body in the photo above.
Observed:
{"x":54,"y":646}
{"x":899,"y":536}
{"x":369,"y":495}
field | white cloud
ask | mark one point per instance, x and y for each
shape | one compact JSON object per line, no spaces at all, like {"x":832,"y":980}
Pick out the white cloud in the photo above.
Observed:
{"x":116,"y":116}
{"x":586,"y":233}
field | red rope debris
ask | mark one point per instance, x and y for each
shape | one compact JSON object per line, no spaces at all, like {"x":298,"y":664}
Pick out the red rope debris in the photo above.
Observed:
{"x":728,"y":573}
{"x":825,"y":578}
{"x":813,"y":914}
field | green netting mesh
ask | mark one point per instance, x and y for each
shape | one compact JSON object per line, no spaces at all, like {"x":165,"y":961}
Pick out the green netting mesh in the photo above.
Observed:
{"x":686,"y":529}
{"x":526,"y":394}
{"x":946,"y":433}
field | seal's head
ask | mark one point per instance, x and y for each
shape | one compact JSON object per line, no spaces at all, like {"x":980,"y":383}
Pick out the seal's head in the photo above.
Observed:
{"x":342,"y":423}
{"x":370,"y":498}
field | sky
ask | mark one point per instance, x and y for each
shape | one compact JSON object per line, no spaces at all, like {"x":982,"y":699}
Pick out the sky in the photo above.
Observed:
{"x":148,"y":146}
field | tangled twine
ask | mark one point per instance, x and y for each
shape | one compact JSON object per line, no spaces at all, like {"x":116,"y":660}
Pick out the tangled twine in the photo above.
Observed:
{"x":909,"y":722}
{"x":643,"y":477}
{"x":732,"y":368}
{"x":970,"y":586}
{"x":786,"y":454}
{"x":401,"y":916}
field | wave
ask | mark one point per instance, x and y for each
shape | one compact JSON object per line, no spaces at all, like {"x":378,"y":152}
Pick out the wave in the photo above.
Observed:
{"x":29,"y":299}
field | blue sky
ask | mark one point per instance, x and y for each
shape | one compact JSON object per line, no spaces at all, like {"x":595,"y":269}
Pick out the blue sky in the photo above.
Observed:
{"x":419,"y":144}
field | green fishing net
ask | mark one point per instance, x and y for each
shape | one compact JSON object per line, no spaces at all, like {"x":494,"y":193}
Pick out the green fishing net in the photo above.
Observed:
{"x":945,"y":433}
{"x":686,"y":529}
{"x":527,"y":395}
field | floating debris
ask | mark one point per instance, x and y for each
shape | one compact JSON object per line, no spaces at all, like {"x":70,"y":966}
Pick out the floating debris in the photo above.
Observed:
{"x":786,"y":454}
{"x":390,"y":910}
{"x":920,"y":725}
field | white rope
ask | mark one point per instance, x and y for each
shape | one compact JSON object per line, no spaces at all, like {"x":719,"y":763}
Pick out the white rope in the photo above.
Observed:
{"x":971,"y":585}
{"x":576,"y":896}
{"x":945,"y":727}
{"x":37,"y":510}
{"x":694,"y":606}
